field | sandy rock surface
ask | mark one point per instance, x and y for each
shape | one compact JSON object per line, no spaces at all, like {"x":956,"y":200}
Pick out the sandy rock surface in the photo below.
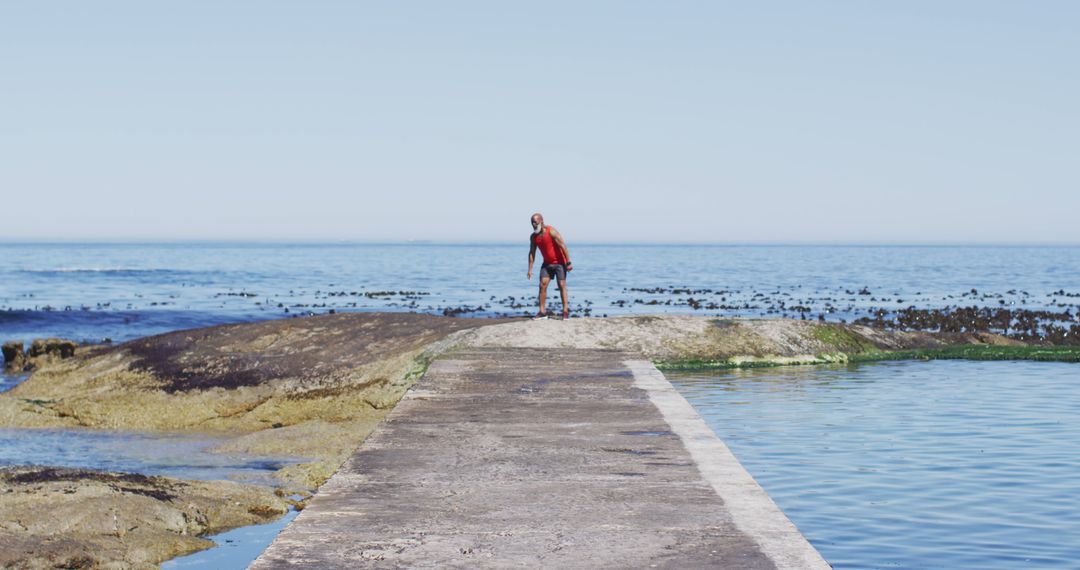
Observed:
{"x":317,"y":384}
{"x":647,"y":335}
{"x":76,"y":518}
{"x":675,"y":338}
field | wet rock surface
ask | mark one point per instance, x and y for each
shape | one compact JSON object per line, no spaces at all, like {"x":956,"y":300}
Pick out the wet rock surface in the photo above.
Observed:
{"x":54,"y":517}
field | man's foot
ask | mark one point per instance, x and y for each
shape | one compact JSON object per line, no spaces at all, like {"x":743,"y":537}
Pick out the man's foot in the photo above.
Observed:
{"x":565,"y":315}
{"x":539,"y":317}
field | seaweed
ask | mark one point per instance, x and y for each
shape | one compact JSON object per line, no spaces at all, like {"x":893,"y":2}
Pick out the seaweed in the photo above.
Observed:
{"x":842,"y":339}
{"x":963,"y":352}
{"x":977,"y":352}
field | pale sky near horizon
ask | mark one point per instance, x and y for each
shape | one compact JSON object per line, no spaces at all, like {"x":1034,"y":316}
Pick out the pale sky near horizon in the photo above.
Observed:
{"x":621,"y":121}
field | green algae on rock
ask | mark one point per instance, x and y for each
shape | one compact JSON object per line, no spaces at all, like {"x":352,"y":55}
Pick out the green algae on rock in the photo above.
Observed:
{"x":979,"y":352}
{"x":856,"y":343}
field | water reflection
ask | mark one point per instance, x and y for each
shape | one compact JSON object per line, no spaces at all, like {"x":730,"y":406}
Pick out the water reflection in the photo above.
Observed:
{"x":235,"y":549}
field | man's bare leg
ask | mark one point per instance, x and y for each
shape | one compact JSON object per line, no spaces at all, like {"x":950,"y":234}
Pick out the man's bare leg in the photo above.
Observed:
{"x":543,"y":293}
{"x":564,"y":295}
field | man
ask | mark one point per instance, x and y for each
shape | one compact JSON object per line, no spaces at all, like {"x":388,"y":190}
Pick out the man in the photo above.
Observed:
{"x":556,"y":262}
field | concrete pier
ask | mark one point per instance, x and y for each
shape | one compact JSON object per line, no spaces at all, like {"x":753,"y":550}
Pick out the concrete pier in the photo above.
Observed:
{"x":508,"y":458}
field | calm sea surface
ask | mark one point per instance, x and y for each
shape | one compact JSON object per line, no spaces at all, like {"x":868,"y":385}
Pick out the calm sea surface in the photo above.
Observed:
{"x":942,"y":464}
{"x":899,"y":465}
{"x":90,"y":292}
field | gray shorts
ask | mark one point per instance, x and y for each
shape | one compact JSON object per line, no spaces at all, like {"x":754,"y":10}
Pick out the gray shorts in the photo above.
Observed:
{"x":556,"y":271}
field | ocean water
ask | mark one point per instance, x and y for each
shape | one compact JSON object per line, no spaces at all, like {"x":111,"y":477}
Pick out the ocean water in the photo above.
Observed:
{"x":941,"y":464}
{"x":236,"y":548}
{"x":91,"y":292}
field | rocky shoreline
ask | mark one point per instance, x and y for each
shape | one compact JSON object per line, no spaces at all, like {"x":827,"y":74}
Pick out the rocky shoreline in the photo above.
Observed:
{"x":77,"y":518}
{"x":314,"y":387}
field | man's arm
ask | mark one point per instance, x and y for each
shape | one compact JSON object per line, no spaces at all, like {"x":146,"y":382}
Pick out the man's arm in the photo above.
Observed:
{"x":532,"y":255}
{"x":555,"y":235}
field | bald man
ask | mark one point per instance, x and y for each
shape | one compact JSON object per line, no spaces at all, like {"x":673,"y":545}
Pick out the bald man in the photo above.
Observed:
{"x":556,"y":262}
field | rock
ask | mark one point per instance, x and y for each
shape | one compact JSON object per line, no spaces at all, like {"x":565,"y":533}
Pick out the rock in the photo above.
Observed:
{"x":55,"y":517}
{"x":52,"y":347}
{"x":14,"y":356}
{"x":339,"y":373}
{"x":42,"y":350}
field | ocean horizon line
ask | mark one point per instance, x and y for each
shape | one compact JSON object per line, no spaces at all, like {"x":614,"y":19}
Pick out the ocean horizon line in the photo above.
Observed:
{"x":516,"y":243}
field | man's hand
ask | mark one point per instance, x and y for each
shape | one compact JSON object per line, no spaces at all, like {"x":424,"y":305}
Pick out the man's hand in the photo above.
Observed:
{"x":569,"y":267}
{"x":529,"y":276}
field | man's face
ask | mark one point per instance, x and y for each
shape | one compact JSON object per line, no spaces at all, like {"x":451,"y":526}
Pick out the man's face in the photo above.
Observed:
{"x":537,"y":225}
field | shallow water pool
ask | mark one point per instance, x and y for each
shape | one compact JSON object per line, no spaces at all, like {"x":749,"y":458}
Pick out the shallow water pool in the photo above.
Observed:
{"x":9,"y":381}
{"x":942,"y":464}
{"x":186,"y":456}
{"x":236,"y":548}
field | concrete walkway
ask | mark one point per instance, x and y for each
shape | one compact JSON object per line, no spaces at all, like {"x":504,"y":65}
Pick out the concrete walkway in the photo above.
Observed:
{"x":523,"y":458}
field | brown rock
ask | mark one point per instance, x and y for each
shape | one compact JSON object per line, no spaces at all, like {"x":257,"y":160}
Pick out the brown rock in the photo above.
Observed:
{"x":14,"y":355}
{"x":325,"y":381}
{"x":52,"y":347}
{"x":55,"y":517}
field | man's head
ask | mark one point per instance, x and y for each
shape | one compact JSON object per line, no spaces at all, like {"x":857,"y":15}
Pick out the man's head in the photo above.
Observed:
{"x":537,"y":222}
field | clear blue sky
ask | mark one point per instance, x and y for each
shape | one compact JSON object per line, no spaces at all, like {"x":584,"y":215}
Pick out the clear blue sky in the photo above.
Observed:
{"x":856,"y":122}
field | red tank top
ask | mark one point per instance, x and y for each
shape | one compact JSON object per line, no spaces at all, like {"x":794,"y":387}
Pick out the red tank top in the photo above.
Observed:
{"x":552,"y":253}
